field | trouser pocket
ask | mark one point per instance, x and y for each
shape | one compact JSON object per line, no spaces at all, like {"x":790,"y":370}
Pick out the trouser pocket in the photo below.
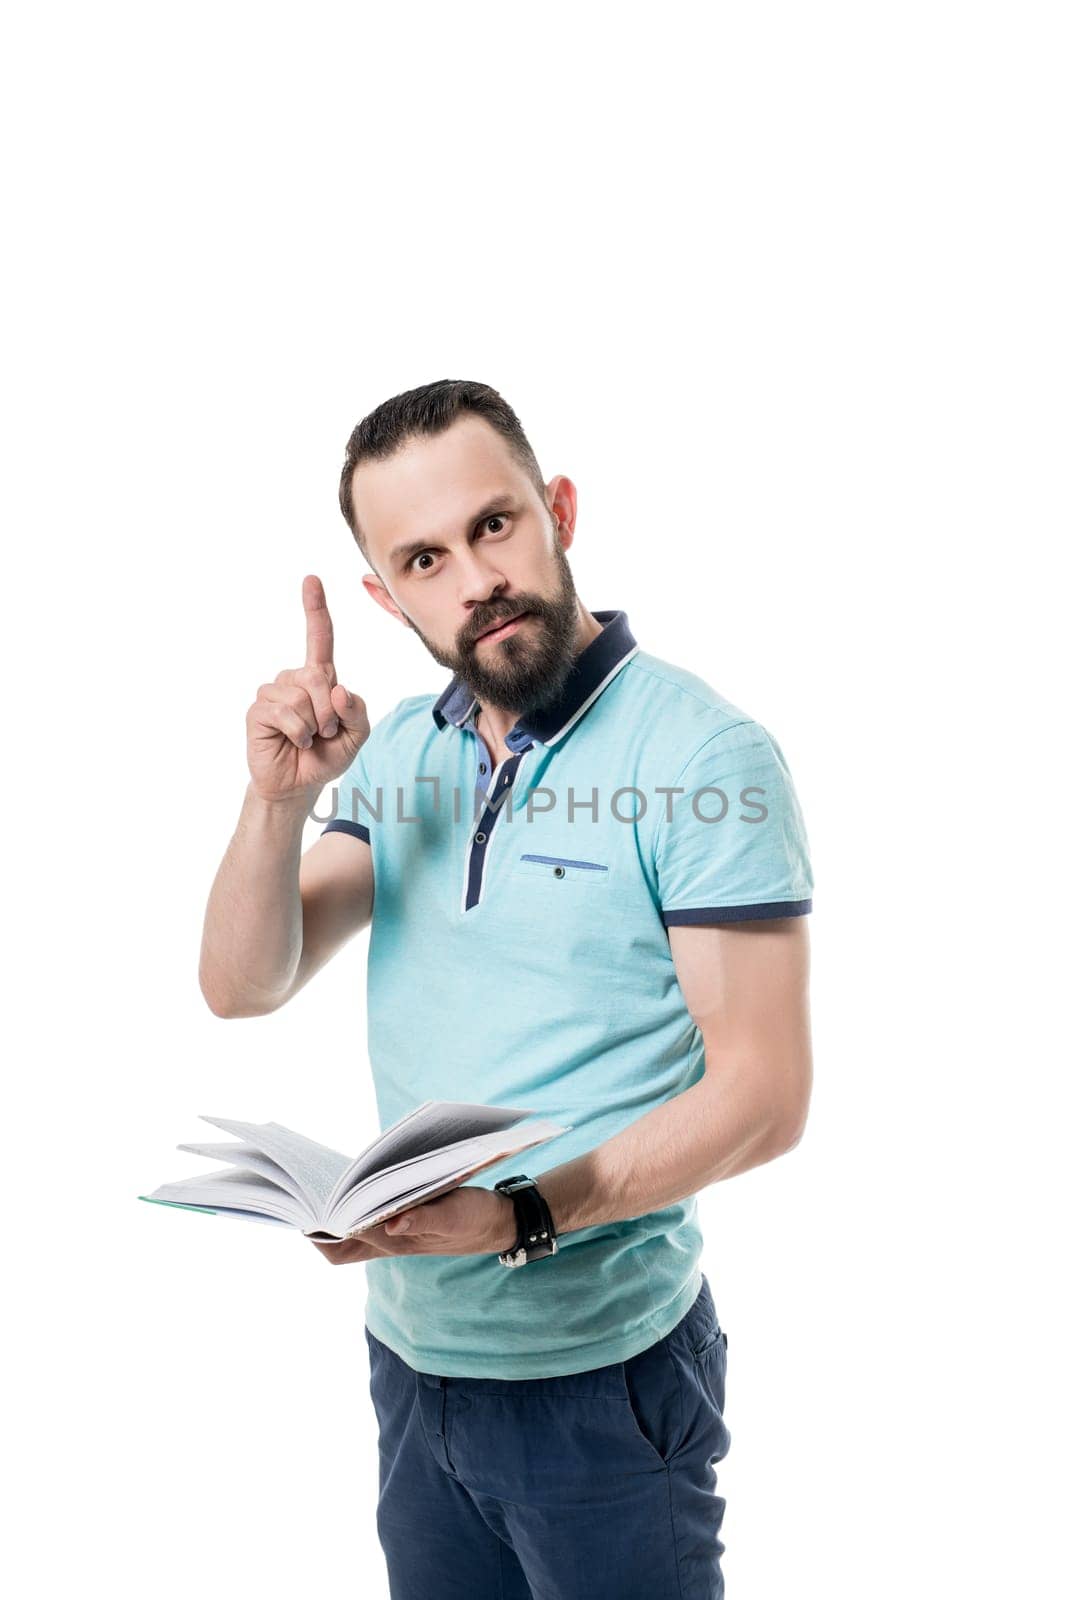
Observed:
{"x":653,"y":1401}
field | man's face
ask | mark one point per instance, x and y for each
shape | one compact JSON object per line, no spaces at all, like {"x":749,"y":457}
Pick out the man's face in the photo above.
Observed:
{"x":460,"y":540}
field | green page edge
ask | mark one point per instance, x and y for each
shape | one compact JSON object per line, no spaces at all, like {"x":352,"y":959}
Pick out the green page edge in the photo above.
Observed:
{"x":180,"y":1204}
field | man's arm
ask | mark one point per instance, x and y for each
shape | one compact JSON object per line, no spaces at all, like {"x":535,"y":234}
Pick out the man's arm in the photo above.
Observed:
{"x":746,"y":987}
{"x":275,"y":917}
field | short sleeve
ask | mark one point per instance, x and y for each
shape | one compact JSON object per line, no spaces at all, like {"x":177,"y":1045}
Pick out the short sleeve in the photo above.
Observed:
{"x":732,"y":846}
{"x":355,"y":803}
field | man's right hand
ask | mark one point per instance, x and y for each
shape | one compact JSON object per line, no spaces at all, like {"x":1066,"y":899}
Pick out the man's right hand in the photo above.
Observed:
{"x":304,"y":729}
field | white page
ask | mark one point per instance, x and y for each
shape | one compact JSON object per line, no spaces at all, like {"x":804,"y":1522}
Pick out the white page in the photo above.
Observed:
{"x":415,"y":1171}
{"x":251,"y":1216}
{"x":434,"y":1124}
{"x":223,"y":1211}
{"x":315,"y":1167}
{"x":381,"y":1193}
{"x":236,"y":1189}
{"x":245,"y":1155}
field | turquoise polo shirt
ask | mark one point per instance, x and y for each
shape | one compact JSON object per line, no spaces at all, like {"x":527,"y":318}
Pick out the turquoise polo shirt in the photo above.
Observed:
{"x":519,"y":956}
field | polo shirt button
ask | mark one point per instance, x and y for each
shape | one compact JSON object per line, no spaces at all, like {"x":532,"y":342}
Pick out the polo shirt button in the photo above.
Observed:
{"x":481,"y":766}
{"x":479,"y":838}
{"x":557,"y":872}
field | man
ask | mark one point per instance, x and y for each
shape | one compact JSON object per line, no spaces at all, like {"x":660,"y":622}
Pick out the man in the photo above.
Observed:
{"x":586,"y":875}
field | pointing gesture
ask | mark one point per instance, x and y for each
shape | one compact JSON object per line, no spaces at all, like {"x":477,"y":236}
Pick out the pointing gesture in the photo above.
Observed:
{"x":305,"y":728}
{"x":319,"y":625}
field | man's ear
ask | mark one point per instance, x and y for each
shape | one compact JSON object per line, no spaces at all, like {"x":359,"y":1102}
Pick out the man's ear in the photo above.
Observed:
{"x":561,"y":501}
{"x":377,"y":591}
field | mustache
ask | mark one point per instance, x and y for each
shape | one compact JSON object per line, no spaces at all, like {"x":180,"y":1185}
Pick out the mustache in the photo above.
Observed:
{"x":482,"y":624}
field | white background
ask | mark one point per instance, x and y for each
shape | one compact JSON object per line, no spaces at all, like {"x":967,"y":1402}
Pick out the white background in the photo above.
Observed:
{"x":781,"y":289}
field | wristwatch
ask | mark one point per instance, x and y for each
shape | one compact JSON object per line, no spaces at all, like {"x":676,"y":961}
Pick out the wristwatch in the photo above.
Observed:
{"x":537,"y":1231}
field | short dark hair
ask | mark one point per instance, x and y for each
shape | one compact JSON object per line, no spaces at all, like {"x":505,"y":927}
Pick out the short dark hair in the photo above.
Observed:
{"x":430,"y":409}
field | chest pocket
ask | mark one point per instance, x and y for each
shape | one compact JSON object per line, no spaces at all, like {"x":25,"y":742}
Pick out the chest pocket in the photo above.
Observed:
{"x":564,"y":869}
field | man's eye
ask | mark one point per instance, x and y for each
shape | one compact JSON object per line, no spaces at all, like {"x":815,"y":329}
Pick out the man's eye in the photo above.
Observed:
{"x":495,"y":516}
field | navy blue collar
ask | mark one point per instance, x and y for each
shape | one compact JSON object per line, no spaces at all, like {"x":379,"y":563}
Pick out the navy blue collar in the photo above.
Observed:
{"x":591,"y":672}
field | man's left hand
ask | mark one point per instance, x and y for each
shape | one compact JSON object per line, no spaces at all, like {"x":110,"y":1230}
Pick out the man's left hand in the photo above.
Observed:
{"x":467,"y":1221}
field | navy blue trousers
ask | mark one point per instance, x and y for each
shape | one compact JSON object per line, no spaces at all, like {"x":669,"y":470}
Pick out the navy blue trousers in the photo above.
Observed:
{"x":598,"y":1485}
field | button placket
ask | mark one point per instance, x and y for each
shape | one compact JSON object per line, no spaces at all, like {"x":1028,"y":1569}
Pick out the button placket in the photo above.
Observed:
{"x":474,"y":879}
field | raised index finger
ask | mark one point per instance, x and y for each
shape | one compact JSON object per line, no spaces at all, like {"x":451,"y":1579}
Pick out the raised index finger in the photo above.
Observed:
{"x":319,"y":625}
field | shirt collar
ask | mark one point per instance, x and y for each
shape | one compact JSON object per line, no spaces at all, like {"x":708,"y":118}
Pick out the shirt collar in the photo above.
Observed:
{"x":591,"y":672}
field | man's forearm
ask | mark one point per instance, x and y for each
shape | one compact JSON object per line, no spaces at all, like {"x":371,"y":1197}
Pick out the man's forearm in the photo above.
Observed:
{"x":716,"y":1129}
{"x":253,"y":926}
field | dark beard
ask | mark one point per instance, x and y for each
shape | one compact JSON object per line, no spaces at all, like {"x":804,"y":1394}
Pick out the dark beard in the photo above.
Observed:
{"x":524,"y":673}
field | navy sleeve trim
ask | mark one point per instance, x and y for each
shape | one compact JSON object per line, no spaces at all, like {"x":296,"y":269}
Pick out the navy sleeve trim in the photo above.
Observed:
{"x":776,"y":908}
{"x":358,"y":830}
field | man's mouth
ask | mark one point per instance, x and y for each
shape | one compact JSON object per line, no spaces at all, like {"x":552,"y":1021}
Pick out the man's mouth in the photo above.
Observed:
{"x":500,"y":627}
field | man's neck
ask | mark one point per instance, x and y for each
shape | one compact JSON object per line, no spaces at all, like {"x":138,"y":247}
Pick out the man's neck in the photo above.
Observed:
{"x":494,"y":723}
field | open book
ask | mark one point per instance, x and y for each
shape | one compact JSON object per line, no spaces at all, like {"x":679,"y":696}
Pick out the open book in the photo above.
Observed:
{"x":279,"y":1176}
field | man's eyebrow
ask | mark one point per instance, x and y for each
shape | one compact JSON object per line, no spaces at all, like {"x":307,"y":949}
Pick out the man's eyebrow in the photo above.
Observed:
{"x":499,"y":502}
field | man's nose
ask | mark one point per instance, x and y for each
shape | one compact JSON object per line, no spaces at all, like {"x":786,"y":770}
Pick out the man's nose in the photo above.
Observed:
{"x":480,"y":580}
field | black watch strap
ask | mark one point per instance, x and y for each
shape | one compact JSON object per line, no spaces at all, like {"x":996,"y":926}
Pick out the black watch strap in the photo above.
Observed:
{"x":536,"y":1230}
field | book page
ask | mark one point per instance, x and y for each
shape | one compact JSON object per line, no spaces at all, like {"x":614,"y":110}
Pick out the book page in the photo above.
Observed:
{"x":241,"y":1191}
{"x":379,"y":1193}
{"x":244,"y":1155}
{"x":221,"y":1211}
{"x":315,"y":1167}
{"x":431,"y":1126}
